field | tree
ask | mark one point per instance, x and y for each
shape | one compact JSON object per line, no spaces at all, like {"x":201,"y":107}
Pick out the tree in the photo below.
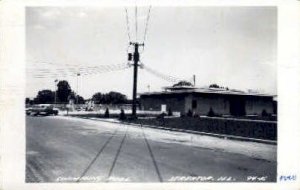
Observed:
{"x":97,"y":98}
{"x":217,"y":86}
{"x":182,"y":83}
{"x":116,"y":98}
{"x":79,"y":99}
{"x":214,"y":86}
{"x":44,"y":97}
{"x":63,"y":91}
{"x":28,"y":101}
{"x":109,"y":98}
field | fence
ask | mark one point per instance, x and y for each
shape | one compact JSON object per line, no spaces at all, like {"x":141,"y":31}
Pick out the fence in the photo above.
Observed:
{"x":250,"y":129}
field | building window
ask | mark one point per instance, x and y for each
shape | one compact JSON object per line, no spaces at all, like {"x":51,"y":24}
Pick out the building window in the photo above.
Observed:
{"x":194,"y":104}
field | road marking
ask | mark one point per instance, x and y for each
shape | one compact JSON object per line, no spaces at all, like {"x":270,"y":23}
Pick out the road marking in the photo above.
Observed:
{"x":152,"y":156}
{"x":117,"y":155}
{"x":98,"y":154}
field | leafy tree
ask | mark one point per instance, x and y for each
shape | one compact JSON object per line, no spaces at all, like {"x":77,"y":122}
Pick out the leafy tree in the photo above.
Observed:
{"x":28,"y":101}
{"x":217,"y":86}
{"x":97,"y":98}
{"x":45,"y":97}
{"x":80,"y":99}
{"x":214,"y":86}
{"x":63,"y":91}
{"x":116,"y":98}
{"x":109,"y":98}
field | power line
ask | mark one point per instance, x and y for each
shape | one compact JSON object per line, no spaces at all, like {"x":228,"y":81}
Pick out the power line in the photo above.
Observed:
{"x":161,"y":75}
{"x":128,"y":28}
{"x":136,"y":24}
{"x":46,"y":73}
{"x":146,"y":27}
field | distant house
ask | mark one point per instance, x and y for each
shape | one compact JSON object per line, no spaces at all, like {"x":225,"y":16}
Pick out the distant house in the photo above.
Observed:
{"x":201,"y":100}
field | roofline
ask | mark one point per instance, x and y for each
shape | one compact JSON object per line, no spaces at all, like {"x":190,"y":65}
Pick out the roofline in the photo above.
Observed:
{"x":208,"y":92}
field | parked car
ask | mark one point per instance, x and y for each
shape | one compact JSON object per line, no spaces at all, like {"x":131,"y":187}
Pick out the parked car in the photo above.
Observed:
{"x":42,"y":109}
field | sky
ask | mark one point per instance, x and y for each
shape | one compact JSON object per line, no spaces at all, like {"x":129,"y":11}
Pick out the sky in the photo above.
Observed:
{"x":234,"y":47}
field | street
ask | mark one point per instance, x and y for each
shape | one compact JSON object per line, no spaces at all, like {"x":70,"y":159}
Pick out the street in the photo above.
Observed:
{"x":65,"y":149}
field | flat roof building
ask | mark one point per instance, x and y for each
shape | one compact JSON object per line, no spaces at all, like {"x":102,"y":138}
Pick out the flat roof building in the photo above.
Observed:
{"x":201,"y":101}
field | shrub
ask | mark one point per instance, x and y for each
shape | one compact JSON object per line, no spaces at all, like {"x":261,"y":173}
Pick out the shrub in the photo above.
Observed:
{"x":106,"y":114}
{"x":264,"y":113}
{"x":122,"y":115}
{"x":211,"y":112}
{"x":170,"y":113}
{"x":190,"y":113}
{"x":161,"y":116}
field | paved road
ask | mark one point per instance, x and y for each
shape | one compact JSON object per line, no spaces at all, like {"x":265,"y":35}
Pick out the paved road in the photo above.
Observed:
{"x":62,"y":149}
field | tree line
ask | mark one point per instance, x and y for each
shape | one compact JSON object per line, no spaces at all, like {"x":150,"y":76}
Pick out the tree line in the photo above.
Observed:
{"x":64,"y":94}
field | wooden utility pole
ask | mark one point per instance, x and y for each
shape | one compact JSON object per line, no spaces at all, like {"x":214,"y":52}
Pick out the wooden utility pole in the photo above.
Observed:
{"x":136,"y":59}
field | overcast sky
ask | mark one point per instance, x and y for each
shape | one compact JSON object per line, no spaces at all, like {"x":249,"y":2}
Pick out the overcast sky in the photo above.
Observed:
{"x":231,"y":46}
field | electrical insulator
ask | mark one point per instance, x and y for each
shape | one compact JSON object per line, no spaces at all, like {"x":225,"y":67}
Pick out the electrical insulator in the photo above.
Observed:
{"x":129,"y":56}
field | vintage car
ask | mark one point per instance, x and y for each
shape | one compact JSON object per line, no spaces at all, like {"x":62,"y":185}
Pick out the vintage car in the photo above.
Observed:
{"x":42,"y":109}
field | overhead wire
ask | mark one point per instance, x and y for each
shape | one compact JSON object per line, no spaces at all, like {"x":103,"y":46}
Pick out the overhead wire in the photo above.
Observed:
{"x":147,"y":22}
{"x":161,"y":75}
{"x":136,"y":23}
{"x":128,"y":26}
{"x":73,"y":71}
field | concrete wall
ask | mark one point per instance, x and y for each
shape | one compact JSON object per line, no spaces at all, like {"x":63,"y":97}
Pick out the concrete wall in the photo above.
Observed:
{"x":220,"y":105}
{"x":153,"y":103}
{"x":255,"y":106}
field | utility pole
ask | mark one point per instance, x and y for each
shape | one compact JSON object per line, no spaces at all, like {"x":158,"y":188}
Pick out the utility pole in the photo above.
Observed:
{"x":136,"y":59}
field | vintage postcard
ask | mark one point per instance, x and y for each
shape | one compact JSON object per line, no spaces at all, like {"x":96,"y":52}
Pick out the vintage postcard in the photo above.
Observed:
{"x":150,"y":94}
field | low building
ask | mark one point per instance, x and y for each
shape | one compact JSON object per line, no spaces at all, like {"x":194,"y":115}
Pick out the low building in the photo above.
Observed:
{"x":203,"y":100}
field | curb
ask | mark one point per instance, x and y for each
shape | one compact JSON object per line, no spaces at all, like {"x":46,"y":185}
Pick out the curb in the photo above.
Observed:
{"x":231,"y":137}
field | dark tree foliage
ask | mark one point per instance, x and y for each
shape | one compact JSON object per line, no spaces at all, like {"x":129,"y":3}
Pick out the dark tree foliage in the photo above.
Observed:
{"x":80,"y":99}
{"x":217,"y":86}
{"x":28,"y":101}
{"x":214,"y":86}
{"x":109,"y":98}
{"x":97,"y":98}
{"x":63,"y":91}
{"x":44,"y":97}
{"x":77,"y":99}
{"x":182,"y":83}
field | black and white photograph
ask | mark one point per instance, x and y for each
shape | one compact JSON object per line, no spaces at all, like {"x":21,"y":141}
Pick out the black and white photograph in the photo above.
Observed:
{"x":151,"y":94}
